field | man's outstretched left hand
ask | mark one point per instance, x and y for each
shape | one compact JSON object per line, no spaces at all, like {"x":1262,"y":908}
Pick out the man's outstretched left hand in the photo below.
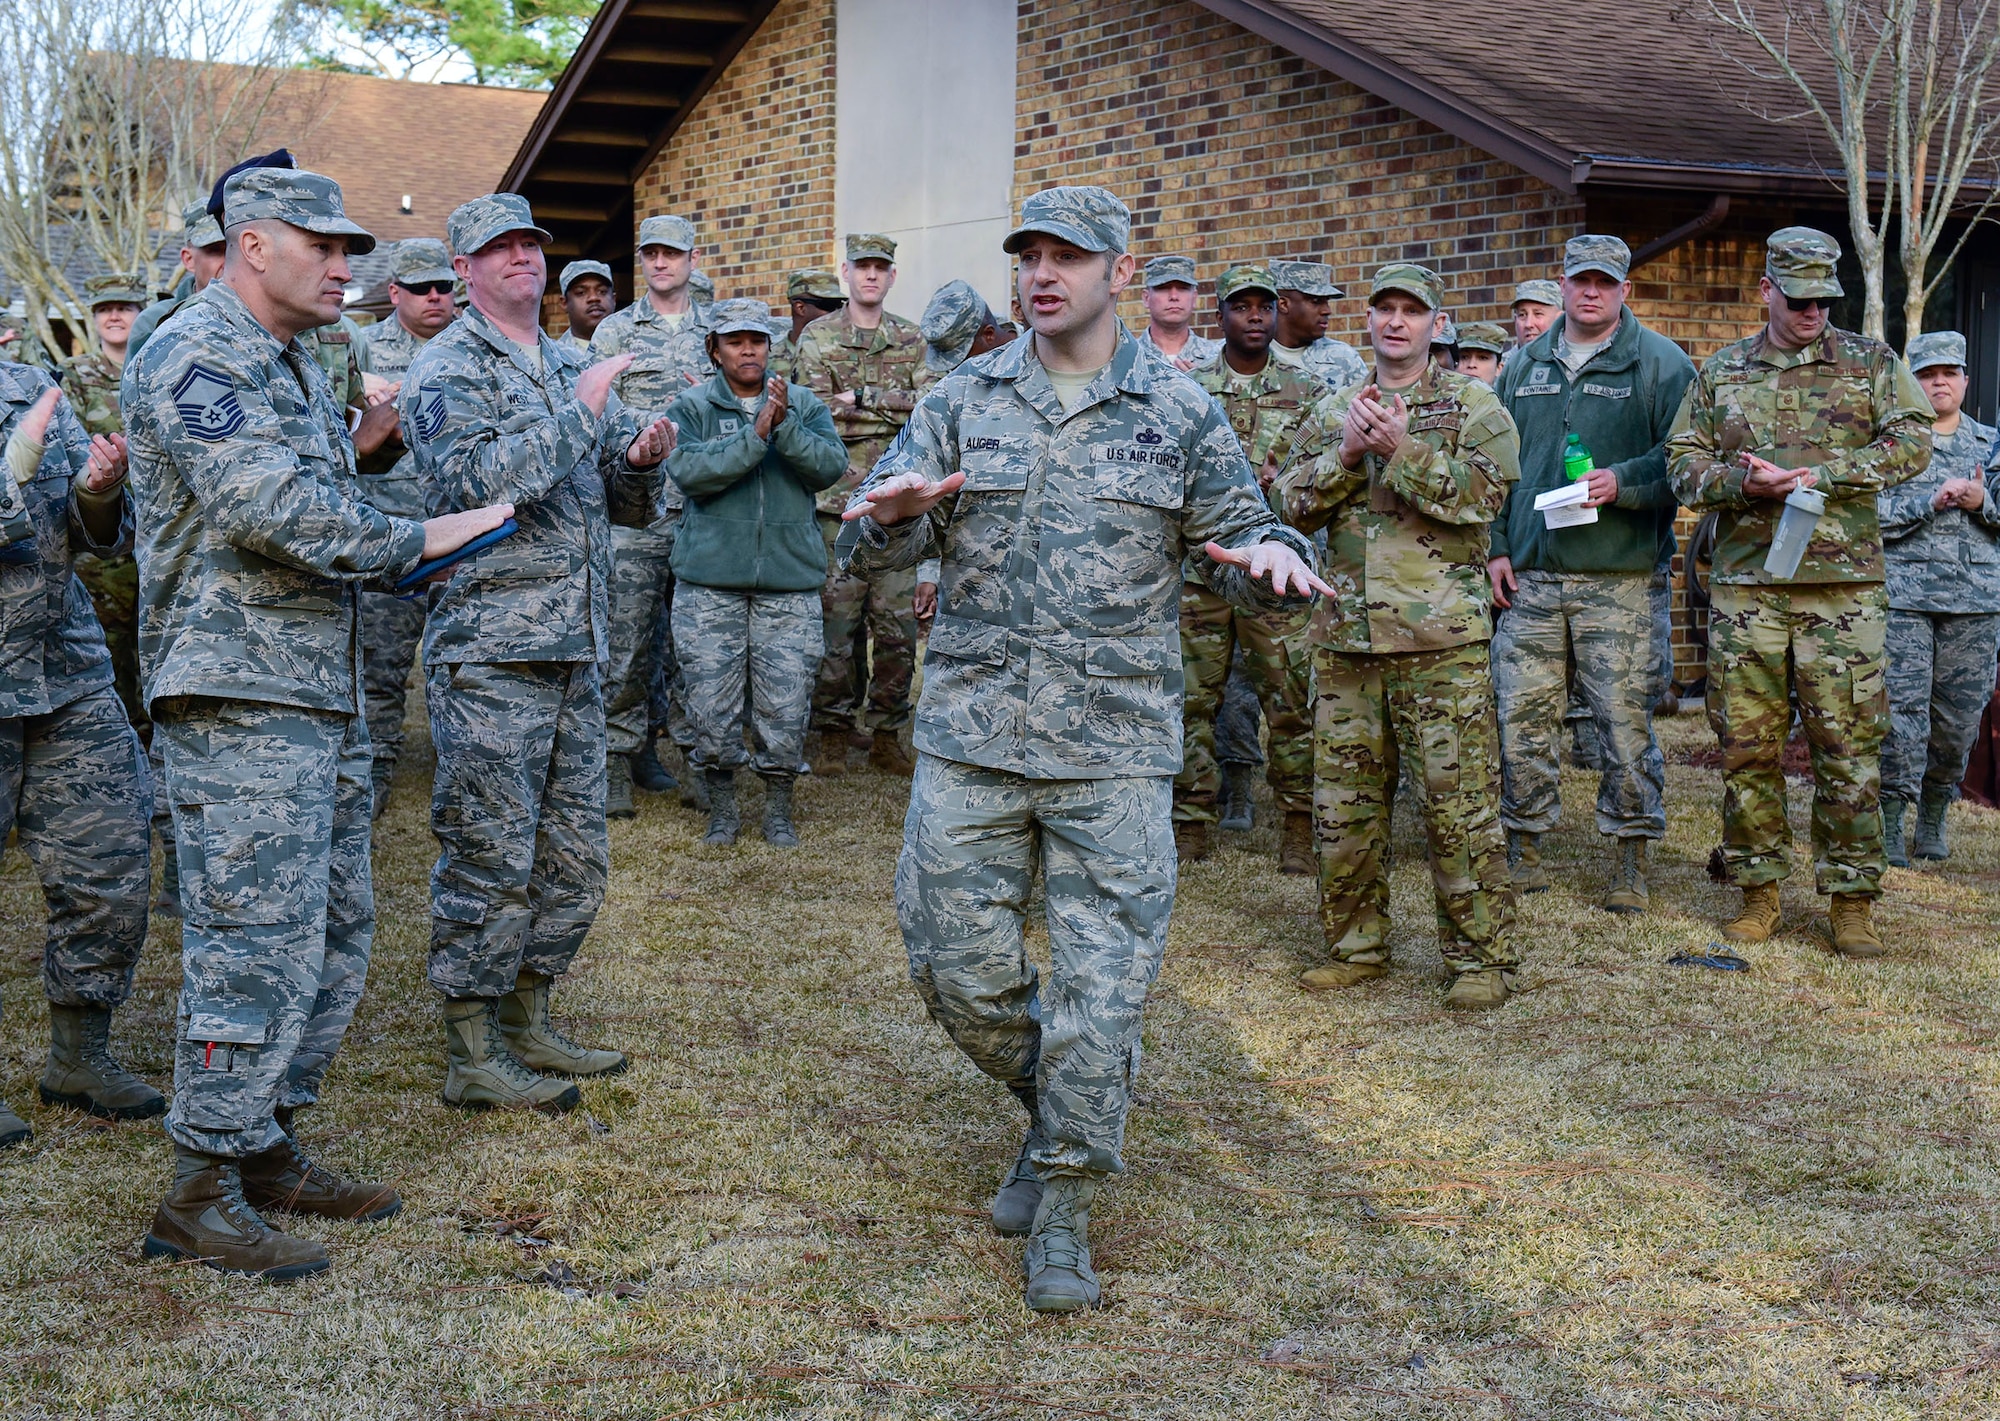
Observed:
{"x":1275,"y":563}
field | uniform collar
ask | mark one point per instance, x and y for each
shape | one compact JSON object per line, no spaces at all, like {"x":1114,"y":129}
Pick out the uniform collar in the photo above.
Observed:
{"x":219,"y":294}
{"x":482,"y":325}
{"x":1429,"y":387}
{"x":1262,"y":383}
{"x":717,"y":392}
{"x":646,"y":313}
{"x":1130,"y":373}
{"x":1824,"y":350}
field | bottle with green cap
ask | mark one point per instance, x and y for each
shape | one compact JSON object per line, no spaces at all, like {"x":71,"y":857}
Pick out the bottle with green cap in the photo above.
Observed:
{"x":1577,"y":462}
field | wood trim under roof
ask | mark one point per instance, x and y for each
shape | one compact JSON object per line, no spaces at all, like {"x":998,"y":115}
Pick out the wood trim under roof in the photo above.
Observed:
{"x":640,"y":70}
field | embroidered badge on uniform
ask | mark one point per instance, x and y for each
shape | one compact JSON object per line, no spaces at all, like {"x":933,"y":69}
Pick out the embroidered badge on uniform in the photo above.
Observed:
{"x":207,"y":404}
{"x":430,"y":418}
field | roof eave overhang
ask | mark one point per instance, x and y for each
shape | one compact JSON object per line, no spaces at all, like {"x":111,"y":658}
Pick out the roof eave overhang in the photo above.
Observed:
{"x":575,"y":74}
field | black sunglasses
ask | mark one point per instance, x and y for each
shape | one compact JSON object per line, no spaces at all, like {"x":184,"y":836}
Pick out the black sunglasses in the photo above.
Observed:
{"x":427,"y":288}
{"x":1807,"y":303}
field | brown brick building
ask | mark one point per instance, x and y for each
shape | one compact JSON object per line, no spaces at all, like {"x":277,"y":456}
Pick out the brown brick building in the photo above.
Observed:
{"x":1235,"y":129}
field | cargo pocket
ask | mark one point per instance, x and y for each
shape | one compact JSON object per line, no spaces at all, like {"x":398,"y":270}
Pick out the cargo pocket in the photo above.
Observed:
{"x":219,"y":1076}
{"x":254,"y":864}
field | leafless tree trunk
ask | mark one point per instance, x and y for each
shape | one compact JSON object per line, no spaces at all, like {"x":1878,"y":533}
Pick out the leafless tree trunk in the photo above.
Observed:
{"x":117,"y":113}
{"x":1903,"y":91}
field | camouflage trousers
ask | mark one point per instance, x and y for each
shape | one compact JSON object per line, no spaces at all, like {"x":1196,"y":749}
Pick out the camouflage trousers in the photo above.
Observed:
{"x":1606,"y":622}
{"x":642,"y":585}
{"x":871,"y":647}
{"x":113,"y":585}
{"x":518,"y":810}
{"x":1433,"y":709}
{"x":392,"y":628}
{"x":970,"y":844}
{"x":1237,"y":739}
{"x":767,"y":643}
{"x":1278,"y":660}
{"x":74,"y":782}
{"x":1823,"y":646}
{"x":271,"y":809}
{"x":1940,"y":675}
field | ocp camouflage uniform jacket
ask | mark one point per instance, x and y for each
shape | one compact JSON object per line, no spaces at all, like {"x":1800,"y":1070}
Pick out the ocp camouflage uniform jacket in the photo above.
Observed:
{"x":90,"y":384}
{"x":51,"y":648}
{"x":337,"y":348}
{"x":1945,"y":559}
{"x":884,"y":369}
{"x":1845,"y":406}
{"x":386,"y":349}
{"x":487,"y":428}
{"x":253,"y":532}
{"x":663,"y":360}
{"x":1056,"y":653}
{"x":1406,"y":535}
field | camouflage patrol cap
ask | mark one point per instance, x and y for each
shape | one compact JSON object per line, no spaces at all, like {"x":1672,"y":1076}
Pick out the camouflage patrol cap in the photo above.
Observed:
{"x":1091,"y":218}
{"x":813,"y":285}
{"x":674,"y":233}
{"x":308,"y":201}
{"x":1541,"y":291}
{"x":702,"y":285}
{"x":420,"y":261}
{"x":578,"y":269}
{"x":473,"y":224}
{"x":870,"y":245}
{"x":1164,"y":271}
{"x":1482,"y":335}
{"x":1245,"y":278}
{"x":1308,"y":278}
{"x":131,"y":290}
{"x":198,"y":229}
{"x":1597,"y":252}
{"x":741,"y":313}
{"x":1410,"y":279}
{"x":1446,"y":333}
{"x":1937,"y":348}
{"x":1802,"y":262}
{"x":952,"y":321}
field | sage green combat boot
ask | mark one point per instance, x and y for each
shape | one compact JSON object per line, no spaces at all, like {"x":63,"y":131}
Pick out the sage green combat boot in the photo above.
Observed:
{"x":13,"y":1129}
{"x":618,"y":788}
{"x":484,"y":1075}
{"x":694,"y":784}
{"x":534,"y":1040}
{"x":1893,"y":844}
{"x":1020,"y":1193}
{"x":206,"y":1219}
{"x":1524,"y":859}
{"x":724,"y":823}
{"x":1931,"y":809}
{"x":1058,"y":1259}
{"x":1627,"y":891}
{"x":82,"y":1074}
{"x":779,"y":831}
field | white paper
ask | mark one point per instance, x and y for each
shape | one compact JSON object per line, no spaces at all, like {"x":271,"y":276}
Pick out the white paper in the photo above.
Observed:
{"x":1563,"y":507}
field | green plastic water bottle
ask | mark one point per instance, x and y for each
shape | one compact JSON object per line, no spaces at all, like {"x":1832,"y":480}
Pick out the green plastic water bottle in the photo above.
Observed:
{"x":1577,"y":462}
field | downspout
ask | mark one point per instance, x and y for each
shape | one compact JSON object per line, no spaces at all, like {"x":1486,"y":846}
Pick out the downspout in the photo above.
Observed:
{"x":1718,"y":208}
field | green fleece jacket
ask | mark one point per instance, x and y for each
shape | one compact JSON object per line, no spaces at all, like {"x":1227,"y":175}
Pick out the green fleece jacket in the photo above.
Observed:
{"x":1622,"y":404}
{"x":749,"y":524}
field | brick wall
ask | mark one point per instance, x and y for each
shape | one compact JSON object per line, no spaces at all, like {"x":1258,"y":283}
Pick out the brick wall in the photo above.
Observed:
{"x":752,"y":166}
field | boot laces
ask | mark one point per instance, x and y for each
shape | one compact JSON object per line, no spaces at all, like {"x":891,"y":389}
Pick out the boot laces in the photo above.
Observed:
{"x":1062,"y":1245}
{"x":237,"y":1208}
{"x":501,"y":1059}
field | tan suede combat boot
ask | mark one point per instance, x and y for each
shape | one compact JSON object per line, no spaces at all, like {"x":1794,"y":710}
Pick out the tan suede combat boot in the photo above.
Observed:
{"x":829,"y":756}
{"x":1338,"y":976}
{"x":886,"y":753}
{"x":1854,"y":932}
{"x":1627,"y":890}
{"x":1524,"y":858}
{"x":82,"y":1073}
{"x":1190,"y":841}
{"x":206,"y":1219}
{"x":1758,"y":917}
{"x":1479,"y":991}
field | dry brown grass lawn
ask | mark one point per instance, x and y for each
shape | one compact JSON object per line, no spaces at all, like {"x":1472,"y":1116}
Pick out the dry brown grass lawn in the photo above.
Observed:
{"x":1640,"y":1191}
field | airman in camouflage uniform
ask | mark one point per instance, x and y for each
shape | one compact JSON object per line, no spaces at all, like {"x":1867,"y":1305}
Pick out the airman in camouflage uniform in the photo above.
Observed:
{"x":253,"y":538}
{"x":1800,"y":404}
{"x":90,"y":383}
{"x":576,"y":339}
{"x":868,"y":377}
{"x":811,"y":294}
{"x":1480,"y":346}
{"x":1304,"y":290}
{"x":1265,"y":408}
{"x":201,"y":259}
{"x":669,"y":356}
{"x":511,"y":656}
{"x":1173,"y":277}
{"x":72,"y":776}
{"x":1941,"y":551}
{"x":393,"y":625}
{"x":1050,"y":722}
{"x":1400,"y":658}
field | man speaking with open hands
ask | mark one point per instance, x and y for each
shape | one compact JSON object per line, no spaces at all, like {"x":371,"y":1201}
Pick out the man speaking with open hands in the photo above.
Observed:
{"x":1061,"y":479}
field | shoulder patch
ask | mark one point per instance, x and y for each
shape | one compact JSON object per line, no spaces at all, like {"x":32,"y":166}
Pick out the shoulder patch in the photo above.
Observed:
{"x":206,"y":402}
{"x":430,"y":416}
